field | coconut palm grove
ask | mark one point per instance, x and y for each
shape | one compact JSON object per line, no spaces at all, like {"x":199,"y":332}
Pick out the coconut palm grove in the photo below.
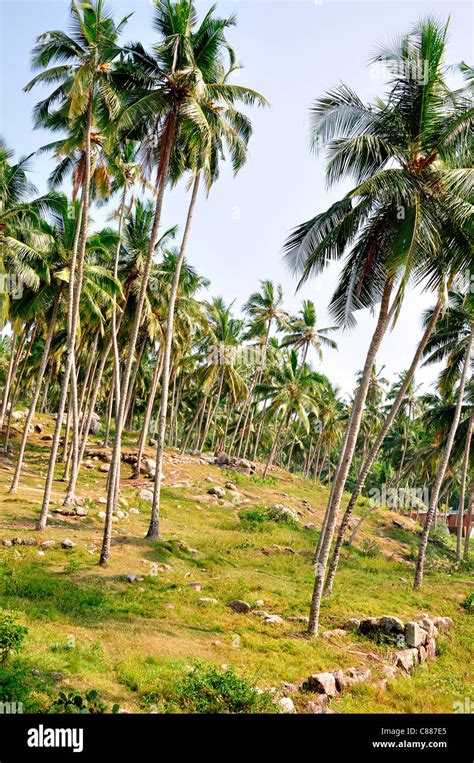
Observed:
{"x":195,"y":517}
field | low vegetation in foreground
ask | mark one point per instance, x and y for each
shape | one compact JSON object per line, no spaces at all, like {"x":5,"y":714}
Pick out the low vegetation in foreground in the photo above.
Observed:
{"x":152,"y":630}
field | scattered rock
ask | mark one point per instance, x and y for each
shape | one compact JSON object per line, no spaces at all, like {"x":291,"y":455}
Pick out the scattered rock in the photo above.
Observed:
{"x":392,"y":626}
{"x":353,"y":676}
{"x":431,"y":649}
{"x":146,"y":495}
{"x":67,"y":543}
{"x":390,"y":671}
{"x":319,"y":704}
{"x":207,"y":600}
{"x":195,"y":586}
{"x":81,"y":511}
{"x":240,"y":606}
{"x":104,"y":468}
{"x":336,"y":633}
{"x":299,"y":619}
{"x":369,"y":626}
{"x":405,"y":659}
{"x":47,"y":438}
{"x":414,"y":635}
{"x":422,"y":654}
{"x":286,"y":705}
{"x":134,"y":511}
{"x":230,"y":486}
{"x":102,"y":515}
{"x":310,"y":526}
{"x":321,"y":683}
{"x":6,"y":542}
{"x":443,"y":623}
{"x":38,"y":428}
{"x":428,"y":626}
{"x":218,"y":491}
{"x":351,"y":625}
{"x":47,"y":543}
{"x":273,"y":620}
{"x":131,"y":577}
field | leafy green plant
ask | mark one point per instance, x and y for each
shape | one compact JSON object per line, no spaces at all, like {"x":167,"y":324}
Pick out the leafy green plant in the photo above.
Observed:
{"x":11,"y":635}
{"x":208,"y":690}
{"x":468,"y":603}
{"x":75,"y":703}
{"x":371,"y":548}
{"x":253,"y":519}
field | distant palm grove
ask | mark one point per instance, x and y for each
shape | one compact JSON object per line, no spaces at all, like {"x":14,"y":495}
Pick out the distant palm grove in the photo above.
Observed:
{"x":114,"y":330}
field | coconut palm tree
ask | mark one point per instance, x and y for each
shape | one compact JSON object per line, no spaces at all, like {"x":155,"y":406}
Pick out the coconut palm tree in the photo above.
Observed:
{"x":304,"y":334}
{"x":398,"y":151}
{"x":85,"y":90}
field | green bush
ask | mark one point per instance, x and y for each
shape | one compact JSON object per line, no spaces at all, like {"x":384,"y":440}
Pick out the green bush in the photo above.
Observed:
{"x":75,"y":703}
{"x":277,"y":515}
{"x":11,"y":635}
{"x":208,"y":690}
{"x":468,"y":603}
{"x":253,"y":519}
{"x":371,"y":548}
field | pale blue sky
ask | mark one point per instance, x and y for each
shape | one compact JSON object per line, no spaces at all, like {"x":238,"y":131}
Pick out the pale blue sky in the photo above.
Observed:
{"x":292,"y":52}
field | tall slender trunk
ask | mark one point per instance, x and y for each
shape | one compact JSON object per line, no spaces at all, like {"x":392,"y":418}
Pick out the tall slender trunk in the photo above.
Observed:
{"x":36,"y":393}
{"x":420,"y":564}
{"x":6,"y":389}
{"x":346,"y":458}
{"x":274,"y":444}
{"x":18,"y":385}
{"x":197,"y":413}
{"x":148,"y":412}
{"x":75,"y":287}
{"x":168,"y":136}
{"x":154,"y":528}
{"x":389,"y":419}
{"x":462,"y":493}
{"x":108,"y":417}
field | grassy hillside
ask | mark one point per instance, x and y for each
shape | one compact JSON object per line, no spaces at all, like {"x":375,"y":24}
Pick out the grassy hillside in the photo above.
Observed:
{"x":89,"y":628}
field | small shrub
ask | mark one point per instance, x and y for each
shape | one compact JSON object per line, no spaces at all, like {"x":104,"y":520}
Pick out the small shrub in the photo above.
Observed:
{"x":371,"y":548}
{"x":257,"y":480}
{"x":253,"y":519}
{"x":11,"y":635}
{"x":208,"y":690}
{"x":468,"y":603}
{"x":75,"y":703}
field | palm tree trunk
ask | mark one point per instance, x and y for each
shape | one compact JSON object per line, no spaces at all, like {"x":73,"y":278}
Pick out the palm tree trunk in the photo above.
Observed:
{"x":18,"y":385}
{"x":443,"y":466}
{"x":462,"y":493}
{"x":197,"y":413}
{"x":377,"y":445}
{"x":167,"y":142}
{"x":109,"y":413}
{"x":274,"y":445}
{"x":148,"y":412}
{"x":75,"y":287}
{"x":36,"y":394}
{"x":346,"y":459}
{"x":154,"y":528}
{"x":6,"y":390}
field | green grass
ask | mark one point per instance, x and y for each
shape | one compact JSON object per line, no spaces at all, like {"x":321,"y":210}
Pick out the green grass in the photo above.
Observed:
{"x":137,"y":643}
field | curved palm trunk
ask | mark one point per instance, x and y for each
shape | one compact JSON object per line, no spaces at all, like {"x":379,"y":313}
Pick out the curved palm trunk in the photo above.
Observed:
{"x":154,"y":528}
{"x":6,"y":389}
{"x":274,"y":445}
{"x":167,"y":139}
{"x":462,"y":493}
{"x":346,"y":460}
{"x":197,"y":413}
{"x":75,"y":287}
{"x":377,"y":445}
{"x":36,"y":394}
{"x":148,"y":413}
{"x":18,"y":385}
{"x":420,"y":564}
